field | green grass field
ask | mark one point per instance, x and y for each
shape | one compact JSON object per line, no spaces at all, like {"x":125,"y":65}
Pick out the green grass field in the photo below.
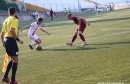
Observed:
{"x":105,"y":60}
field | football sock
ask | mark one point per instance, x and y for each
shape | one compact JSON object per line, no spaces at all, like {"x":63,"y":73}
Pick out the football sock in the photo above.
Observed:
{"x":74,"y":37}
{"x":33,"y":44}
{"x":14,"y":69}
{"x":8,"y":69}
{"x":82,"y":37}
{"x":85,"y":41}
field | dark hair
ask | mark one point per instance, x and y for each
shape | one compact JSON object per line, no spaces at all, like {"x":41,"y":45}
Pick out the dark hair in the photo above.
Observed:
{"x":11,"y":10}
{"x":68,"y":15}
{"x":40,"y":19}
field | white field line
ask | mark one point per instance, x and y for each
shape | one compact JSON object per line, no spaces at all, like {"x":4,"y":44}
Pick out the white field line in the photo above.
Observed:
{"x":77,"y":41}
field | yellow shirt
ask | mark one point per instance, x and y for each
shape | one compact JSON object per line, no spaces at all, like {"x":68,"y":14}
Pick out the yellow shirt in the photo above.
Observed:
{"x":10,"y":22}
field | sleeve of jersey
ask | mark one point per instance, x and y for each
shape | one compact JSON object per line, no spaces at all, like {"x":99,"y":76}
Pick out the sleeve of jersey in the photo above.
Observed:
{"x":32,"y":25}
{"x":15,"y":24}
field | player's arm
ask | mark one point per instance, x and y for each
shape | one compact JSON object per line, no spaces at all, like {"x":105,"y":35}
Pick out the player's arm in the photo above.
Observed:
{"x":24,"y":28}
{"x":87,"y":22}
{"x":13,"y":32}
{"x":43,"y":30}
{"x":2,"y":37}
{"x":2,"y":34}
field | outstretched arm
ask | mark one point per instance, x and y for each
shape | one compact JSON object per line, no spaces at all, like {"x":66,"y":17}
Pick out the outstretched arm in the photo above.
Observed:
{"x":24,"y":28}
{"x":44,"y":31}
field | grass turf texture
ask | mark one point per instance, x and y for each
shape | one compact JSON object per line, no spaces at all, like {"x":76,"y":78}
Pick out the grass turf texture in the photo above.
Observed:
{"x":106,"y":58}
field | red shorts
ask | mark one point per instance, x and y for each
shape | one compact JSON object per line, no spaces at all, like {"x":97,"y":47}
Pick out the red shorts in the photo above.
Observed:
{"x":82,"y":28}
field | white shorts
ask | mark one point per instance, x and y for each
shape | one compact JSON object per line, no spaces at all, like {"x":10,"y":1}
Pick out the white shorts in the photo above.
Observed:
{"x":33,"y":37}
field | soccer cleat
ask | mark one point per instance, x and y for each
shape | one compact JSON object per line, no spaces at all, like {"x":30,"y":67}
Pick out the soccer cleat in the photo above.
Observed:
{"x":30,"y":47}
{"x":39,"y":47}
{"x":85,"y":43}
{"x":5,"y":80}
{"x":13,"y":82}
{"x":69,"y":43}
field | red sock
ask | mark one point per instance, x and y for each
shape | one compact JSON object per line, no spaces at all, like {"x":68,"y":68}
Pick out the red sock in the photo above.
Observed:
{"x":82,"y":37}
{"x":74,"y":37}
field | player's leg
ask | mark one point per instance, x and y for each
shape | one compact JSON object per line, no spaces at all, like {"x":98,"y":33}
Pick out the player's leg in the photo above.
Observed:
{"x":12,"y":51}
{"x":73,"y":38}
{"x":52,"y":17}
{"x":38,"y":47}
{"x":5,"y":78}
{"x":7,"y":48}
{"x":80,"y":32}
{"x":14,"y":69}
{"x":36,"y":40}
{"x":14,"y":57}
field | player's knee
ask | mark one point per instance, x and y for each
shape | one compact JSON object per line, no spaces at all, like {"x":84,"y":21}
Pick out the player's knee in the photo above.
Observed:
{"x":76,"y":33}
{"x":39,"y":41}
{"x":80,"y":32}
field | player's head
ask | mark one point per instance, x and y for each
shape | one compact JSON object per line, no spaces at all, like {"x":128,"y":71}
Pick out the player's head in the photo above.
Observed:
{"x":11,"y":11}
{"x":40,"y":20}
{"x":69,"y":16}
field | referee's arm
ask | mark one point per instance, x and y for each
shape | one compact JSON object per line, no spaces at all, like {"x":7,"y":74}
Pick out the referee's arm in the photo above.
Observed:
{"x":2,"y":37}
{"x":12,"y":30}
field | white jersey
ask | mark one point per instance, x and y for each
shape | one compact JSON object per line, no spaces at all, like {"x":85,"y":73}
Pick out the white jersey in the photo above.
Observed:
{"x":34,"y":26}
{"x":31,"y":34}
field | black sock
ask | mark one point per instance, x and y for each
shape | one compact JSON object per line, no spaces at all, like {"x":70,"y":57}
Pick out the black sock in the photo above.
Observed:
{"x":8,"y":69}
{"x":14,"y":69}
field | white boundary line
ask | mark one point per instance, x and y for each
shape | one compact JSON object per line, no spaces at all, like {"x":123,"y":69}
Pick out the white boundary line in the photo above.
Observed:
{"x":88,"y":39}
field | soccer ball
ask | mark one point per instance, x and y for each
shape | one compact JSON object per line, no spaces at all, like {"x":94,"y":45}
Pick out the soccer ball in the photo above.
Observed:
{"x":39,"y":47}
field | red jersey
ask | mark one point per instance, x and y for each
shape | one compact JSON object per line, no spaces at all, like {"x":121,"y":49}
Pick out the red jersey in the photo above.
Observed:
{"x":76,"y":21}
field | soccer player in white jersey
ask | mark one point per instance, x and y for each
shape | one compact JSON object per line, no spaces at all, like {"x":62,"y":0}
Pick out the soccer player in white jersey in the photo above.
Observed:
{"x":32,"y":35}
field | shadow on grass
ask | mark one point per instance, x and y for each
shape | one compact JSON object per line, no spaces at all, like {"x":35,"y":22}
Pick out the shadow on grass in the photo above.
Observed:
{"x":115,"y":19}
{"x":112,"y":43}
{"x":76,"y":49}
{"x":68,"y":49}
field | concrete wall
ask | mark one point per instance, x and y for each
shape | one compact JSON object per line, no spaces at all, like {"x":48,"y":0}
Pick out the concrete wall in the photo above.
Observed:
{"x":21,"y":18}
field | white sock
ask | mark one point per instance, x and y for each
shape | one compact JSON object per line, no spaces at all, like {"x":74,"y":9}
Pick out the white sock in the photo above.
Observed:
{"x":33,"y":44}
{"x":85,"y":42}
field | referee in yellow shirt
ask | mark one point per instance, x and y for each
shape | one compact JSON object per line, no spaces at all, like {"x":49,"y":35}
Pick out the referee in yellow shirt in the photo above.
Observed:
{"x":9,"y":36}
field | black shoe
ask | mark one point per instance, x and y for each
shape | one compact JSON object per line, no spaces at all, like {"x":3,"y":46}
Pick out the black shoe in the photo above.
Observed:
{"x":13,"y":82}
{"x":30,"y":47}
{"x":5,"y":80}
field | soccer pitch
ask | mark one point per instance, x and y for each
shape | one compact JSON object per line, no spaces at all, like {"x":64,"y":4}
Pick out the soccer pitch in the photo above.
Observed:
{"x":105,"y":60}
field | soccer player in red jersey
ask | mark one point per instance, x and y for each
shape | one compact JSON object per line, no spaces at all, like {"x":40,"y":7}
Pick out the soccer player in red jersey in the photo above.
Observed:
{"x":82,"y":23}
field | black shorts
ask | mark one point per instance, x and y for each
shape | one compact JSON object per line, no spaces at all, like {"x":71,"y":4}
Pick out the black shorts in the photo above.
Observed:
{"x":11,"y":46}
